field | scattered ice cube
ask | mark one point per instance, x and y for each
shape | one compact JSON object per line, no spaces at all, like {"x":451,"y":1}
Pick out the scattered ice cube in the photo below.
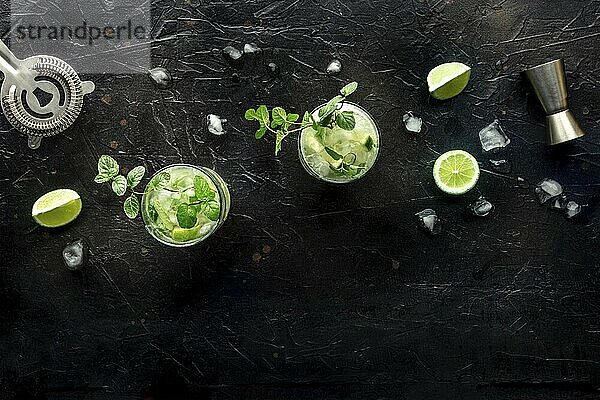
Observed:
{"x":161,"y":77}
{"x":412,"y":122}
{"x":334,"y":67}
{"x":73,"y":254}
{"x":493,"y":137}
{"x":273,"y":69}
{"x":215,"y":124}
{"x":548,"y":189}
{"x":232,"y":54}
{"x":501,"y":166}
{"x":572,"y":209}
{"x":429,"y":221}
{"x":481,"y":207}
{"x":559,"y":203}
{"x":250,"y":48}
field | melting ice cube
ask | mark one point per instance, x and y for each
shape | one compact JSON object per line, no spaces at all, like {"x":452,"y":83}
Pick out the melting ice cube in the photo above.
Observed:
{"x":548,"y":189}
{"x":232,"y":54}
{"x":161,"y":77}
{"x":429,"y":221}
{"x":481,"y":207}
{"x":493,"y":137}
{"x":273,"y":69}
{"x":501,"y":166}
{"x":412,"y":122}
{"x":73,"y":254}
{"x":334,"y":67}
{"x":215,"y":124}
{"x":250,"y":48}
{"x":572,"y":209}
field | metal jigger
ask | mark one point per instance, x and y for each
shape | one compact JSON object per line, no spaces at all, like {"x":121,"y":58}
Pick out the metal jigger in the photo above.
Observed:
{"x":550,"y":86}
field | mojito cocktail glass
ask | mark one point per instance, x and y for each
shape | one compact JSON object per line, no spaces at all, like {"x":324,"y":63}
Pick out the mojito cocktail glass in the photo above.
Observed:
{"x":338,"y":155}
{"x":183,"y":204}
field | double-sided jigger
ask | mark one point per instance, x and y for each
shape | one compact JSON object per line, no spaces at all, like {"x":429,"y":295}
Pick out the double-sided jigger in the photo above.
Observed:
{"x":23,"y":79}
{"x":550,"y":86}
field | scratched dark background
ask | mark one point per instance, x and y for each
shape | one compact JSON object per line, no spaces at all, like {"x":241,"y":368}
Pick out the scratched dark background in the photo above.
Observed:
{"x":313,"y":291}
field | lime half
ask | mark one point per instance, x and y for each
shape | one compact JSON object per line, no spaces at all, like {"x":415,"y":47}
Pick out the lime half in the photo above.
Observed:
{"x":456,"y":172}
{"x":56,"y":208}
{"x":448,"y":80}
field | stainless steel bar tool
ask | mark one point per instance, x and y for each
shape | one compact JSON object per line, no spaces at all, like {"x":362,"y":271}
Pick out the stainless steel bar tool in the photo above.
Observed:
{"x":549,"y":83}
{"x":23,"y":79}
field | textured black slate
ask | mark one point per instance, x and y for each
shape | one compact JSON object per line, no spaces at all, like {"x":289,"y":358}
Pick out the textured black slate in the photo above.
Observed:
{"x":311,"y":290}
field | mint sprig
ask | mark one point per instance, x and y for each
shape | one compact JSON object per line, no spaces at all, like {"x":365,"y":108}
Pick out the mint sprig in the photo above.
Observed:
{"x":281,"y":123}
{"x":108,"y":172}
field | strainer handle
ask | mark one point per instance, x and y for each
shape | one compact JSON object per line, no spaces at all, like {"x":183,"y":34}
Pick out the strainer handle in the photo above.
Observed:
{"x":9,"y":64}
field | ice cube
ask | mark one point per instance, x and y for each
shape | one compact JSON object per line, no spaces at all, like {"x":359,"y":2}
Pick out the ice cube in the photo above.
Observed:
{"x":250,"y":48}
{"x":215,"y":124}
{"x":273,"y":69}
{"x":481,"y":207}
{"x":412,"y":122}
{"x":548,"y":189}
{"x":572,"y":209}
{"x":493,"y":137}
{"x":559,"y":203}
{"x":429,"y":221}
{"x":73,"y":255}
{"x":501,"y":166}
{"x":161,"y":77}
{"x":232,"y":54}
{"x":334,"y":67}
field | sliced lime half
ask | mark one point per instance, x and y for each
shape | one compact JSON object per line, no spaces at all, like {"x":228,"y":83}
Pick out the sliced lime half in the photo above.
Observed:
{"x":448,"y":80}
{"x":56,"y":208}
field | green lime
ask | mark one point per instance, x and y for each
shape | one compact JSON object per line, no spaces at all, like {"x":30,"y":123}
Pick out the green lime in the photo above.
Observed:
{"x":456,"y":172}
{"x":184,"y":235}
{"x":448,"y":80}
{"x":56,"y":208}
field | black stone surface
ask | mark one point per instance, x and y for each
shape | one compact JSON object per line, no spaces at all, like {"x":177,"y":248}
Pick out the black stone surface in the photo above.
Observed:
{"x":313,"y":291}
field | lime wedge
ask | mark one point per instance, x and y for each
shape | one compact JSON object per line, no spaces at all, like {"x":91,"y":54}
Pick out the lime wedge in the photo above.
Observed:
{"x":448,"y":80}
{"x":456,"y":172}
{"x":56,"y":208}
{"x":183,"y":235}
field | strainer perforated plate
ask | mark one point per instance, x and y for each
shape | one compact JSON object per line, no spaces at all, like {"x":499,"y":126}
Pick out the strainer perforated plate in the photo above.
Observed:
{"x":25,"y":81}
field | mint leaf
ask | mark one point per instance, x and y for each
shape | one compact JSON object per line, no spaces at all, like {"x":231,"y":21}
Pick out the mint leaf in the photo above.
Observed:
{"x":349,"y":89}
{"x":307,"y":119}
{"x":345,"y":120}
{"x":260,"y":132}
{"x":292,"y":117}
{"x":369,"y":143}
{"x":102,"y":178}
{"x":279,"y":117}
{"x":131,"y":206}
{"x":202,"y":189}
{"x":211,"y":210}
{"x":119,"y":185}
{"x":278,"y":139}
{"x":107,"y":166}
{"x":152,"y":213}
{"x":263,"y":115}
{"x":330,"y":107}
{"x":186,"y":216}
{"x":333,"y":154}
{"x":135,"y":176}
{"x":250,"y":114}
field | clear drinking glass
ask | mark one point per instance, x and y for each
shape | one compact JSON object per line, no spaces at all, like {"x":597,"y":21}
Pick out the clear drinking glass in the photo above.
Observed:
{"x":174,"y":186}
{"x":358,"y":148}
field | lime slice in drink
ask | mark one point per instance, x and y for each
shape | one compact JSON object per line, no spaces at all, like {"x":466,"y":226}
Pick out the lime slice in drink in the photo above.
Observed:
{"x":448,"y":80}
{"x":56,"y":208}
{"x":456,"y":172}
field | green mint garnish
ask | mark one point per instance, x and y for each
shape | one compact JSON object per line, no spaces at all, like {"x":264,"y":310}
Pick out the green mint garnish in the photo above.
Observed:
{"x":108,"y":172}
{"x":187,"y":216}
{"x":281,"y":123}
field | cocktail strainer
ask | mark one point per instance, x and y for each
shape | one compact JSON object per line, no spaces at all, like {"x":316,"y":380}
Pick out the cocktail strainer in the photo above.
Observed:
{"x":41,"y":95}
